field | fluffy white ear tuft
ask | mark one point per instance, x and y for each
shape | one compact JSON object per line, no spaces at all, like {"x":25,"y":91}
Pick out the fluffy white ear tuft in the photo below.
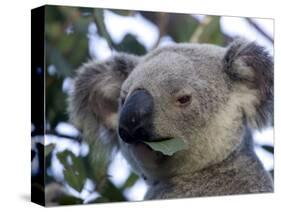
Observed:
{"x":93,"y":103}
{"x":250,"y":65}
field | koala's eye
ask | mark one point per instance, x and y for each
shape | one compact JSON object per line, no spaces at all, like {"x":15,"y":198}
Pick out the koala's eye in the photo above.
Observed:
{"x":184,"y":100}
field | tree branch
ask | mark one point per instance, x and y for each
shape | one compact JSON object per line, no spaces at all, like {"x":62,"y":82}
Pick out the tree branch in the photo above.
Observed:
{"x":162,"y":19}
{"x":195,"y":38}
{"x":259,"y":29}
{"x":53,"y":132}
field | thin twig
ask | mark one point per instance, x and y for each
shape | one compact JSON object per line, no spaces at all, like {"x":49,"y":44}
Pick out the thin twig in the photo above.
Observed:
{"x":195,"y":38}
{"x":53,"y":132}
{"x":259,"y":29}
{"x":162,"y":20}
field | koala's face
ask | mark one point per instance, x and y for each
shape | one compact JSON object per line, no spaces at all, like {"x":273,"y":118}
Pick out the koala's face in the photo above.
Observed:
{"x":172,"y":94}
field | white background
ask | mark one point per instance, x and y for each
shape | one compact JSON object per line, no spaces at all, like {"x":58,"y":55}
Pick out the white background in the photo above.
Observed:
{"x":15,"y":103}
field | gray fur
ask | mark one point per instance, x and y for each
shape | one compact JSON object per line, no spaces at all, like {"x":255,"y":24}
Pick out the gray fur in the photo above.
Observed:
{"x":232,"y":91}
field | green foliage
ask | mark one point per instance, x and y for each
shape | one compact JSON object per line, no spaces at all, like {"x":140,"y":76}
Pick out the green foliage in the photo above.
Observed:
{"x":69,"y":200}
{"x":123,"y":12}
{"x":131,"y":180}
{"x":211,"y":32}
{"x":268,"y":148}
{"x":74,"y":170}
{"x":111,"y":192}
{"x":99,"y":20}
{"x":48,"y":149}
{"x":130,"y":44}
{"x":55,"y":101}
{"x":181,"y":27}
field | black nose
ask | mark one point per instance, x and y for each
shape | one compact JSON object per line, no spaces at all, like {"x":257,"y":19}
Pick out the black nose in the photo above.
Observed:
{"x":135,"y":122}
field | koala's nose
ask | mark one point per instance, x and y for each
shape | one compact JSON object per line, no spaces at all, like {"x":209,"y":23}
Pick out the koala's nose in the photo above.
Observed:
{"x":135,"y":121}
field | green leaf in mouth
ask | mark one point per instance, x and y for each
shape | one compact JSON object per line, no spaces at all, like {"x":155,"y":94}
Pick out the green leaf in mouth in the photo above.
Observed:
{"x":169,"y":146}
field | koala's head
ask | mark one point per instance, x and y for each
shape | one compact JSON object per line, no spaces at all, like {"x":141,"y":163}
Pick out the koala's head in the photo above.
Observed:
{"x":203,"y":94}
{"x":173,"y":92}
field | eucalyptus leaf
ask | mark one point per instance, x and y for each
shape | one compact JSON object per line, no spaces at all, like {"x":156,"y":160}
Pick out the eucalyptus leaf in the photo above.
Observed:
{"x":48,"y":149}
{"x":131,"y":180}
{"x":168,"y":147}
{"x":123,"y":12}
{"x":268,"y":148}
{"x":69,"y":200}
{"x":74,"y":170}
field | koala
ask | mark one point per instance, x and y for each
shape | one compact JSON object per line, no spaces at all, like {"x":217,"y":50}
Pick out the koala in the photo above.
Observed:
{"x":211,"y":97}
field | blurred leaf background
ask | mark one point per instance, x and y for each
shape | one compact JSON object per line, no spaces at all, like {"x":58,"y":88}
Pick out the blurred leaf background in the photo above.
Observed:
{"x":73,"y":36}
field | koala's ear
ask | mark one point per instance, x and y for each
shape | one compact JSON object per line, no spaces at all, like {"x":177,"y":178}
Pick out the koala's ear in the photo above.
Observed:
{"x":93,"y":102}
{"x":250,"y":65}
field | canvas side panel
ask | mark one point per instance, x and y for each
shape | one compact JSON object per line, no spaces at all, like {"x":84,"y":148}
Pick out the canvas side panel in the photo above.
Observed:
{"x":37,"y":105}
